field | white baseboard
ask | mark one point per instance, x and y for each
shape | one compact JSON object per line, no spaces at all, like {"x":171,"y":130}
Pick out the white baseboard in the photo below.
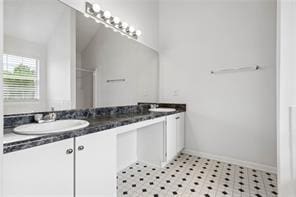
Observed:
{"x":247,"y":164}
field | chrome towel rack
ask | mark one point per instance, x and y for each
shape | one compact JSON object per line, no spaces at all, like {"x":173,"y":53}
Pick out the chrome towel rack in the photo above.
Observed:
{"x":115,"y":80}
{"x":236,"y":69}
{"x":84,"y":70}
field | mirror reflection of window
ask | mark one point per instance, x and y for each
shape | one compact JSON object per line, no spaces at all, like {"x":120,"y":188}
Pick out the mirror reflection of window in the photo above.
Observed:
{"x":20,"y":78}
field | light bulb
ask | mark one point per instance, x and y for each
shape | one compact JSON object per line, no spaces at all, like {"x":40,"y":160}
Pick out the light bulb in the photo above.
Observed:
{"x":99,"y":14}
{"x":116,"y":20}
{"x":107,"y":14}
{"x":138,"y":33}
{"x":131,"y":29}
{"x":124,"y":25}
{"x":86,"y":15}
{"x":96,"y":8}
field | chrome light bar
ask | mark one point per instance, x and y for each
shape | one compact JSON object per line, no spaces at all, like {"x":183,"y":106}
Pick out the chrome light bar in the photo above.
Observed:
{"x":100,"y":16}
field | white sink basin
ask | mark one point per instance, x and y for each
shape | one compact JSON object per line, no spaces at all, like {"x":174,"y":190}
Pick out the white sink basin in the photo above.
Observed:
{"x":50,"y":127}
{"x":162,"y":110}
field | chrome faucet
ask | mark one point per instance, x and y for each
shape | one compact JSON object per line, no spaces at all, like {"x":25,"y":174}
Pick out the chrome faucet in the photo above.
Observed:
{"x":47,"y":118}
{"x":153,"y":106}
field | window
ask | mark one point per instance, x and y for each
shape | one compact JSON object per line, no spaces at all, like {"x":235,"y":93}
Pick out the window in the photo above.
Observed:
{"x":20,"y":78}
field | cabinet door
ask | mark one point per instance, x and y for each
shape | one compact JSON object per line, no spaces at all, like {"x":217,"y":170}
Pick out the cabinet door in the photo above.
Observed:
{"x":171,"y":137}
{"x":180,"y":131}
{"x":41,"y":171}
{"x":95,"y":172}
{"x":146,"y":136}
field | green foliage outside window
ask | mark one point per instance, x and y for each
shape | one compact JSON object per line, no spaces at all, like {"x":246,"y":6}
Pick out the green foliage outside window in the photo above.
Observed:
{"x":20,"y":83}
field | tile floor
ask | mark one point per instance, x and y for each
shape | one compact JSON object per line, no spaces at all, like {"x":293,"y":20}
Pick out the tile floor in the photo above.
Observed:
{"x":189,"y":175}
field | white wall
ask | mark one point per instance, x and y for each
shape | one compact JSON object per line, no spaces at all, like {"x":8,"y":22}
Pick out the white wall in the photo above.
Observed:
{"x":116,"y":57}
{"x":61,"y":63}
{"x":286,"y":97}
{"x":15,"y":46}
{"x":142,"y":14}
{"x":230,"y":115}
{"x":1,"y":96}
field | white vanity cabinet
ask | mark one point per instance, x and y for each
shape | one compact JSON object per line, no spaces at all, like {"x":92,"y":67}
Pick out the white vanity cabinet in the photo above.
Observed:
{"x":180,"y":130}
{"x":42,"y":171}
{"x":84,"y":166}
{"x":96,"y":164}
{"x":174,"y":135}
{"x":171,"y":137}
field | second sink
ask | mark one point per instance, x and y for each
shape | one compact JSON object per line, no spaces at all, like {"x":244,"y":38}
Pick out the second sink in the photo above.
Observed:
{"x":162,"y":110}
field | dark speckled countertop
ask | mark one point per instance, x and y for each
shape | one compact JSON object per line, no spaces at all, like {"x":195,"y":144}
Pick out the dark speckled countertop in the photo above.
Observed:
{"x":98,"y":122}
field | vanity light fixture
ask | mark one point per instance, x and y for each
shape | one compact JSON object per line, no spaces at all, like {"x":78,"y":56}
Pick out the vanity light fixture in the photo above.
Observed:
{"x":105,"y":17}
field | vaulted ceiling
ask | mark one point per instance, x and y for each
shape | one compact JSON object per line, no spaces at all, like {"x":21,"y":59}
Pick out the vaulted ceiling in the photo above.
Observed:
{"x":32,"y":20}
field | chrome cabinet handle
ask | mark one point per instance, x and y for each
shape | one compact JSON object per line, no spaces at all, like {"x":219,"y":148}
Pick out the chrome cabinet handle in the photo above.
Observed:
{"x":69,"y":151}
{"x":177,"y":118}
{"x":80,"y":148}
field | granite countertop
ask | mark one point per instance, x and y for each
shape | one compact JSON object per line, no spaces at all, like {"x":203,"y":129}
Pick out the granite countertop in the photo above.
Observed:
{"x":14,"y":142}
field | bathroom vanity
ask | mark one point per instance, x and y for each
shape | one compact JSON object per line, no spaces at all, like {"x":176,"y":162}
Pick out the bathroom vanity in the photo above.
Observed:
{"x":85,"y":162}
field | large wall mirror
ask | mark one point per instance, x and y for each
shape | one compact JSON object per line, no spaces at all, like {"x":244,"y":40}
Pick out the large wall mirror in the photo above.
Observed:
{"x":55,"y":58}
